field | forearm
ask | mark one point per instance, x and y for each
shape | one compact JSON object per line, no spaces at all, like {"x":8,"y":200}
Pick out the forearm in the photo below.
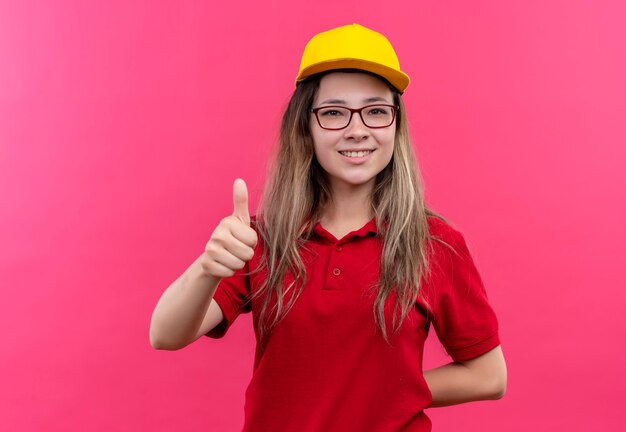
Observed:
{"x":483,"y":378}
{"x":182,"y":307}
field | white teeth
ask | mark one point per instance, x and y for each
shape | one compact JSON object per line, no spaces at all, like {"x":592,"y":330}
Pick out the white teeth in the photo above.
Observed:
{"x":355,"y":153}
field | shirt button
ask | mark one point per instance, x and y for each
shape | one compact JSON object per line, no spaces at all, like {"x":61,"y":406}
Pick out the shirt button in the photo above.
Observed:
{"x":336,"y":271}
{"x":339,"y":248}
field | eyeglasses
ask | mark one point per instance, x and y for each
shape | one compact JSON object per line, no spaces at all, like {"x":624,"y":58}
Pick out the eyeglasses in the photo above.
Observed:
{"x":335,"y":117}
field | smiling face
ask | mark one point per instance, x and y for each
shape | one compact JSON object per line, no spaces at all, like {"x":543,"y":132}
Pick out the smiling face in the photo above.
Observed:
{"x":355,"y":155}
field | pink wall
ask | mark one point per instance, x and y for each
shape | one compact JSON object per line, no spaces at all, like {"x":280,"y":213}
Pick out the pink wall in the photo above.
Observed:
{"x":123,"y":125}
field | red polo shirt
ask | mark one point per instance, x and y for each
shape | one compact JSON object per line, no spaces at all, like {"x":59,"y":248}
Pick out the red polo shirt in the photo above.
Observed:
{"x":326,"y":366}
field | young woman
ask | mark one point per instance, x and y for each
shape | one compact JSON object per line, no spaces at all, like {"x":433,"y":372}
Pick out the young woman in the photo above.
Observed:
{"x":344,"y":267}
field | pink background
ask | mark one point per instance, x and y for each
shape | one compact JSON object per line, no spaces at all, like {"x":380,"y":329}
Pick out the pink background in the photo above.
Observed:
{"x":123,"y":125}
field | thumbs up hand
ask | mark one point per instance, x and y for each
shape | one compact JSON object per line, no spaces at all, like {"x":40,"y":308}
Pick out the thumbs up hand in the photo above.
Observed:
{"x":232,"y":243}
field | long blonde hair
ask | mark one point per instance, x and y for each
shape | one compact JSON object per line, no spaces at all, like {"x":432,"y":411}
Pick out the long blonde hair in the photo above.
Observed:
{"x":295,"y":194}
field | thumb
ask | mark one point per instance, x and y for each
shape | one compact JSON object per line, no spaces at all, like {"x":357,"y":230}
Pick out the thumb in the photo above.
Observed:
{"x":240,"y":201}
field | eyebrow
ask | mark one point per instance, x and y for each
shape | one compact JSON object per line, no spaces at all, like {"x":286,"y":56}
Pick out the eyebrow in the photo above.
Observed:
{"x":341,"y":101}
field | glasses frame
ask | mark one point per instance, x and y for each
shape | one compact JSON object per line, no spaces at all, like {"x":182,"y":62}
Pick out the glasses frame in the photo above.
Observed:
{"x":394,"y":109}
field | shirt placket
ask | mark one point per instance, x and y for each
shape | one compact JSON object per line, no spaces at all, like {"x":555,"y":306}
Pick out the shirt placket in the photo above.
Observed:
{"x":335,"y":276}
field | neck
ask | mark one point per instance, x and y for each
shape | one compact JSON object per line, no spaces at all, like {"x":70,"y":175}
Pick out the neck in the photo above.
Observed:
{"x":350,"y":206}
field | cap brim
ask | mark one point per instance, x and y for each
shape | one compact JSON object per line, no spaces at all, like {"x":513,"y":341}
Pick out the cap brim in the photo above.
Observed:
{"x":398,"y":79}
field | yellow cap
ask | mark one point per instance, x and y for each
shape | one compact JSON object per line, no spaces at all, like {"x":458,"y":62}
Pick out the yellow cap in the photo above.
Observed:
{"x":352,"y":47}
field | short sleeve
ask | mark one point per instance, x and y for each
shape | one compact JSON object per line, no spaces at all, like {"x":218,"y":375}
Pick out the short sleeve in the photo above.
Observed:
{"x":462,"y":316}
{"x":231,"y":295}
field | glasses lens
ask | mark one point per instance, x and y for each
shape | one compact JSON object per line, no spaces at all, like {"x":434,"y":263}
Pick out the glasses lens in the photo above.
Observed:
{"x":333,"y":117}
{"x":377,"y":115}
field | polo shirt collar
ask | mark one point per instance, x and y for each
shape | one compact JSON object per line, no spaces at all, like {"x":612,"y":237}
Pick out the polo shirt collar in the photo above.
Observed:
{"x":365,"y":230}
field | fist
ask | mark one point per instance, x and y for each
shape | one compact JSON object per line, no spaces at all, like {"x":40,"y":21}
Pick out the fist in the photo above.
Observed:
{"x":233,"y":241}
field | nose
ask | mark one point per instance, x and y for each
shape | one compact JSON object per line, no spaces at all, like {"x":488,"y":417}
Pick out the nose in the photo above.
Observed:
{"x":356,"y":129}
